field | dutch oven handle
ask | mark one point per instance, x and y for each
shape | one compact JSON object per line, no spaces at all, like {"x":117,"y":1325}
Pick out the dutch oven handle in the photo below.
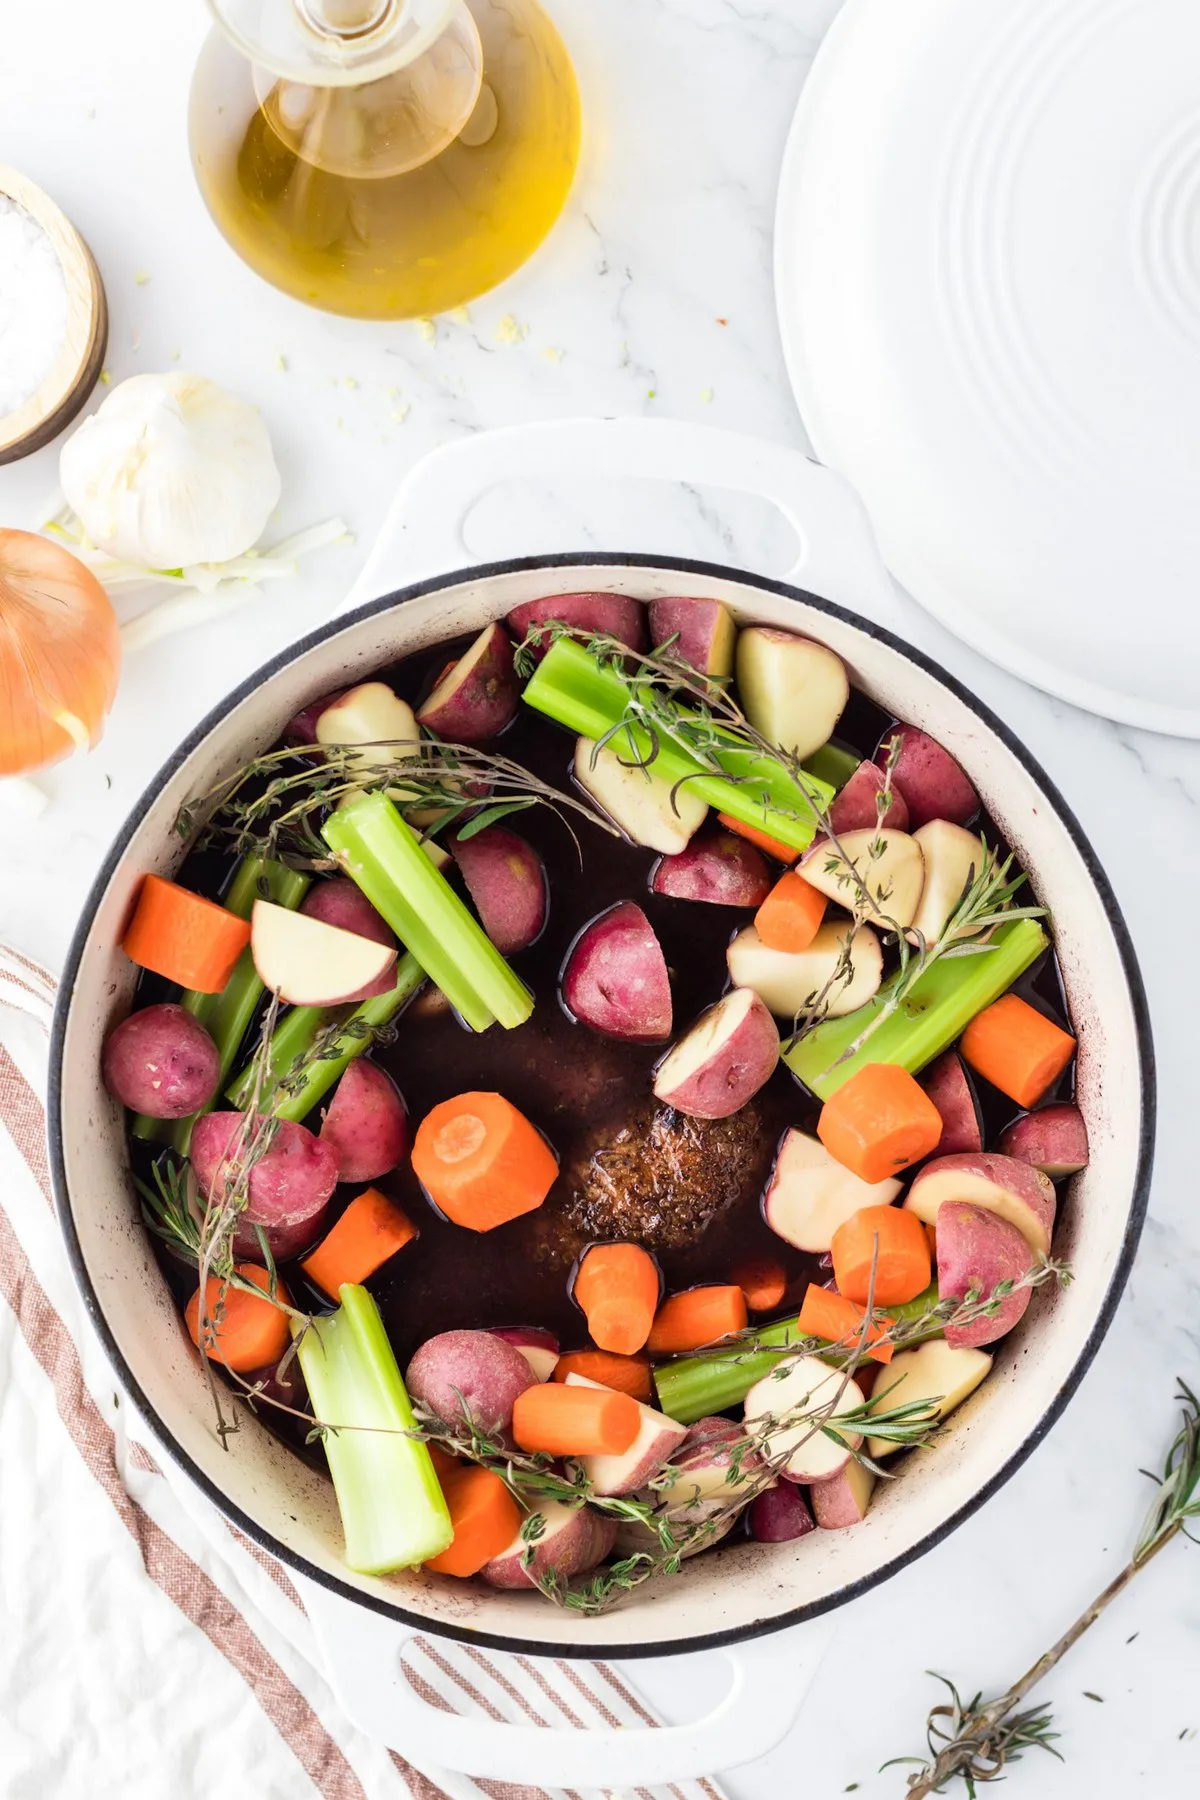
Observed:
{"x":364,"y":1651}
{"x":423,"y":532}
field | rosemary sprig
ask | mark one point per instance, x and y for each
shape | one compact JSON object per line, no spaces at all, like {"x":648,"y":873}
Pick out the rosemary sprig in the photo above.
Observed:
{"x":974,"y":1741}
{"x":462,"y":787}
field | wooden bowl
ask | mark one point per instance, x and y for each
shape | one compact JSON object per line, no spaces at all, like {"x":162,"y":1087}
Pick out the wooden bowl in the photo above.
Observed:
{"x":76,"y":369}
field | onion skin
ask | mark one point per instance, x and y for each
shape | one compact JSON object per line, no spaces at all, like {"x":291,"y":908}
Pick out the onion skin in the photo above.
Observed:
{"x":60,"y":653}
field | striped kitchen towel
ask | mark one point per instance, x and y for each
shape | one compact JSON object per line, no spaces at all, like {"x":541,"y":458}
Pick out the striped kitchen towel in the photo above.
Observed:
{"x":136,"y":1660}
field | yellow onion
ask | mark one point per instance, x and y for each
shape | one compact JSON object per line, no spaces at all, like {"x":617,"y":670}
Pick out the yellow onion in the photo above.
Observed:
{"x":60,"y":653}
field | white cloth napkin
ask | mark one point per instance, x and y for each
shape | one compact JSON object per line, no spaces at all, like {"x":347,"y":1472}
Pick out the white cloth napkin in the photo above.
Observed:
{"x":135,"y":1659}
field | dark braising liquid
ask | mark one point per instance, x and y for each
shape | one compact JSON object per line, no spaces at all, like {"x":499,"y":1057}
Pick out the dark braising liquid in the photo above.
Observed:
{"x":689,"y":1190}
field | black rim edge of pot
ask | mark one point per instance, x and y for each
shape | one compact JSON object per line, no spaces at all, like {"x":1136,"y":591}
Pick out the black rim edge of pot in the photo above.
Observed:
{"x":1138,"y":1206}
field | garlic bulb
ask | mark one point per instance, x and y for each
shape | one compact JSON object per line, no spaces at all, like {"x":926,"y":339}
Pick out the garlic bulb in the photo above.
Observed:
{"x":171,"y":471}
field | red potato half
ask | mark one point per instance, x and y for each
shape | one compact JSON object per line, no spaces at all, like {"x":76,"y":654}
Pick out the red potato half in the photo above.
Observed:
{"x":931,"y":782}
{"x":780,"y":1515}
{"x":788,"y":981}
{"x":948,"y":1084}
{"x":574,"y":1540}
{"x":1053,"y":1139}
{"x":717,"y":867}
{"x":729,"y":1053}
{"x":705,"y":1460}
{"x":953,"y":859}
{"x":161,"y":1062}
{"x":302,"y":727}
{"x":607,"y":615}
{"x":478,"y":695}
{"x":936,"y":1372}
{"x":889,"y":864}
{"x":373,"y":716}
{"x":339,"y":902}
{"x":657,"y":1439}
{"x":792,"y":690}
{"x":1011,"y":1189}
{"x":810,"y":1194}
{"x":475,"y":1369}
{"x":539,"y":1348}
{"x":506,"y":879}
{"x":366,"y":1124}
{"x":309,"y":963}
{"x":703,"y":631}
{"x":854,"y":808}
{"x":289,"y":1186}
{"x":615,"y":978}
{"x":843,"y":1500}
{"x":975,"y":1249}
{"x":805,"y":1385}
{"x":649,"y":808}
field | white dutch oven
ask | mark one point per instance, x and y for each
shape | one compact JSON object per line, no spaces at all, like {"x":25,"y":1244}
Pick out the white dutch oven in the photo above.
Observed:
{"x":733,"y":1598}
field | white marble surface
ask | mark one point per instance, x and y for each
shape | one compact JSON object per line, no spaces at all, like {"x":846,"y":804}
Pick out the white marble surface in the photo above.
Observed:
{"x":656,"y":290}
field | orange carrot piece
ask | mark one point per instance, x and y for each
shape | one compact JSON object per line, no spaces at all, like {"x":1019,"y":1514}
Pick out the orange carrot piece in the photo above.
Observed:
{"x":698,"y":1316}
{"x":485,"y":1518}
{"x":445,"y":1463}
{"x":240,"y":1330}
{"x":781,"y":852}
{"x":371,"y":1229}
{"x":903,"y":1270}
{"x":183,"y":936}
{"x":481,"y":1161}
{"x":626,"y":1374}
{"x":617,"y":1286}
{"x":790,"y":916}
{"x":575,"y":1421}
{"x":831,"y":1316}
{"x":879,"y":1122}
{"x":1017,"y":1048}
{"x":763,"y":1280}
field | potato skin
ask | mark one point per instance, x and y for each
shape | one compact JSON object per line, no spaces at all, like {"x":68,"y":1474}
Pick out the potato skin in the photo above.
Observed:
{"x":611,"y":615}
{"x":487,"y":1372}
{"x":977,"y":1249}
{"x":717,"y":867}
{"x":740,"y":1063}
{"x":615,"y":979}
{"x":506,"y":879}
{"x":341,"y":903}
{"x":703,"y":631}
{"x":289,"y":1187}
{"x":365,"y":1124}
{"x":931,"y":782}
{"x":779,"y":1515}
{"x":161,"y":1061}
{"x":1052,"y":1138}
{"x":952,"y":1091}
{"x":854,"y":807}
{"x":575,"y":1540}
{"x":481,"y":698}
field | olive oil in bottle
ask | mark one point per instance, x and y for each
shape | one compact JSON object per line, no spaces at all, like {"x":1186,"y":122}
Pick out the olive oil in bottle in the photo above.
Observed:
{"x":386,"y":159}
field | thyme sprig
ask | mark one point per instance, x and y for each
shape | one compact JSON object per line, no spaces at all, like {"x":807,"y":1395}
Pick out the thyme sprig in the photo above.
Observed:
{"x":975,"y":1741}
{"x":464,"y":788}
{"x":671,"y":702}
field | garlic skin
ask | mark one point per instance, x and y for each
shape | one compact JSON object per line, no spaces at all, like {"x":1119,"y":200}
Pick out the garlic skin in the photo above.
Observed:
{"x":171,"y":471}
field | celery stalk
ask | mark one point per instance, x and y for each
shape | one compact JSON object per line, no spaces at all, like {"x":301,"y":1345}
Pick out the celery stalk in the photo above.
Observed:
{"x":697,"y":1386}
{"x":297,"y":1031}
{"x":937,"y":1010}
{"x":833,"y":764}
{"x":571,"y":687}
{"x":383,"y":855}
{"x":226,"y":1016}
{"x":393,"y":1511}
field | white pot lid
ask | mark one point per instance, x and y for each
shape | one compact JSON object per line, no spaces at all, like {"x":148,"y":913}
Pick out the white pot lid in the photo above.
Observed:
{"x":988,"y":277}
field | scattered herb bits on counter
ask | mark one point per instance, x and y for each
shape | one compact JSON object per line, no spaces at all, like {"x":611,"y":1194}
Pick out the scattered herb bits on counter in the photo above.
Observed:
{"x":593,"y":1259}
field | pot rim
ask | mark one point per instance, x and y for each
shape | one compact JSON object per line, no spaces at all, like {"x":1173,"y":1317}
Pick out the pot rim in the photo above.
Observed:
{"x":720,"y":572}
